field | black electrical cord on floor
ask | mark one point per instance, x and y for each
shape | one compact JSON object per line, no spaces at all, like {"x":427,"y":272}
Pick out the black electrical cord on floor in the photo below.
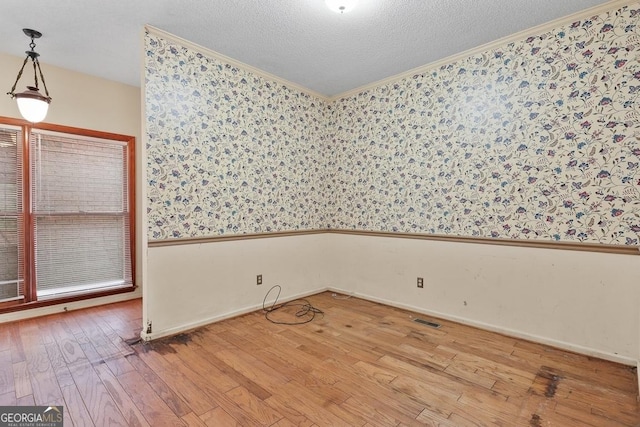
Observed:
{"x":306,"y":312}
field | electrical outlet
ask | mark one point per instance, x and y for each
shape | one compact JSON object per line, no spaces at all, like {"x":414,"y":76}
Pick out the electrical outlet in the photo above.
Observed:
{"x":420,"y":282}
{"x":259,"y":279}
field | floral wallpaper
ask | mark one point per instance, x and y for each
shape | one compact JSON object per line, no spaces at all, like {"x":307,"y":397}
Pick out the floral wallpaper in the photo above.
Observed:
{"x":538,"y":139}
{"x":228,"y":152}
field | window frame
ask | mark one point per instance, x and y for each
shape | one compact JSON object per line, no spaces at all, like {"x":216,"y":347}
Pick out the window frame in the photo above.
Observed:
{"x":30,"y":299}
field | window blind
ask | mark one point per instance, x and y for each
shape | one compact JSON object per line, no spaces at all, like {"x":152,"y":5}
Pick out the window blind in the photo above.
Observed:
{"x":80,"y":213}
{"x":11,"y":218}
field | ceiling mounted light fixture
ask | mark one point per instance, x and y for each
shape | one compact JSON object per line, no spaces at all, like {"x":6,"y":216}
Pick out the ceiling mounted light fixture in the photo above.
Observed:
{"x":32,"y":104}
{"x":341,"y":6}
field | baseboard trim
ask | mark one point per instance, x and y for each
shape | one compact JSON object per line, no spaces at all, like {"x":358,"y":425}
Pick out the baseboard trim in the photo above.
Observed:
{"x":586,"y":351}
{"x":186,"y":327}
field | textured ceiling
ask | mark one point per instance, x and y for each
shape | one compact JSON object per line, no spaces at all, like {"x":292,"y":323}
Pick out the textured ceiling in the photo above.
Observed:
{"x":299,"y":40}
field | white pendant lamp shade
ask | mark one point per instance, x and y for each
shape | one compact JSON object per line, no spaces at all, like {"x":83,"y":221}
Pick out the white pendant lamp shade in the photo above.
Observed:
{"x":341,"y":6}
{"x":33,"y":106}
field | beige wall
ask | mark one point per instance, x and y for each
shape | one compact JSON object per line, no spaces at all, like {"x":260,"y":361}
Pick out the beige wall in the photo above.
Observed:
{"x":193,"y":285}
{"x":83,"y":101}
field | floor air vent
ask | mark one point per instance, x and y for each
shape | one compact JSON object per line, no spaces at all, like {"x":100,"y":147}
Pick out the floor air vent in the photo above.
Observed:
{"x":427,"y":323}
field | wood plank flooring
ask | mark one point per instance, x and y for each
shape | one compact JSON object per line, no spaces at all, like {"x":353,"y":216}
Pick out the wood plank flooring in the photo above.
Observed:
{"x":360,"y":364}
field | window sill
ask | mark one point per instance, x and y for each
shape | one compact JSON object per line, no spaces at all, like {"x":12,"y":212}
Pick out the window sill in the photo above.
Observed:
{"x":65,"y":299}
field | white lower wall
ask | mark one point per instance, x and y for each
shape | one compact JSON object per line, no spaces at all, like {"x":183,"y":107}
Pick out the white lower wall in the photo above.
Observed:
{"x":581,"y":301}
{"x":192,"y":285}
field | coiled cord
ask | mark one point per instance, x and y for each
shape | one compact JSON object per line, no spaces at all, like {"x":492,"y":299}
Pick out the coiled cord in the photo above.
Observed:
{"x":306,"y":312}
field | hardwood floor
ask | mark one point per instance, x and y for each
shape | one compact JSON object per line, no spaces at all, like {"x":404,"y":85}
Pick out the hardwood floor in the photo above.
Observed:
{"x":361,"y":364}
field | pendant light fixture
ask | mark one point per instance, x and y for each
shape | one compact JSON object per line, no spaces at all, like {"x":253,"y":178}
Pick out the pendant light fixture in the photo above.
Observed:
{"x":341,"y":6}
{"x":32,"y":104}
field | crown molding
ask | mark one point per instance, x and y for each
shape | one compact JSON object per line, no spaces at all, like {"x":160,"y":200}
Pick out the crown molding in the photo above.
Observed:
{"x":521,"y":35}
{"x":235,"y":63}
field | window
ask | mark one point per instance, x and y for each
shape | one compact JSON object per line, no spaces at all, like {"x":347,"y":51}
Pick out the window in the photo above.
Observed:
{"x":11,"y":218}
{"x":66,"y":213}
